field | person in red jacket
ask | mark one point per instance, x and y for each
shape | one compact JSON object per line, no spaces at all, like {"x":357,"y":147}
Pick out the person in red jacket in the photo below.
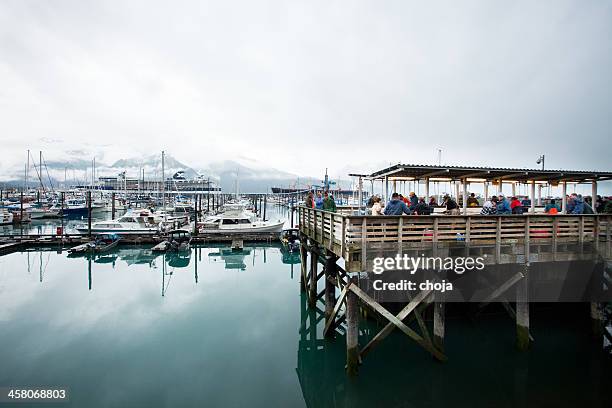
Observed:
{"x":309,"y":201}
{"x":516,"y":206}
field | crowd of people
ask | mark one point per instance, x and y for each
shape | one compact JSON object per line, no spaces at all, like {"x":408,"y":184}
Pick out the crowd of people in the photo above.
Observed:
{"x":324,"y":201}
{"x":498,"y":204}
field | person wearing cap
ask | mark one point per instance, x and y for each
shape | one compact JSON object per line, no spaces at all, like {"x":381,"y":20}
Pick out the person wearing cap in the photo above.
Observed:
{"x":414,"y":200}
{"x":503,"y":206}
{"x":396,"y":206}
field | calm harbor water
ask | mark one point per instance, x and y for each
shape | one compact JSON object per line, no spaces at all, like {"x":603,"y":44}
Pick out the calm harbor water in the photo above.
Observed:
{"x":222,"y":328}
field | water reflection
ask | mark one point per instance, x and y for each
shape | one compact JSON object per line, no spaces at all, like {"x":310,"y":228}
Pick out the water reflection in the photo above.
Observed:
{"x":234,"y":258}
{"x":484,"y":368}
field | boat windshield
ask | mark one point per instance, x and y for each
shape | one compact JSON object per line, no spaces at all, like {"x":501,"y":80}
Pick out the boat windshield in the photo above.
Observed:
{"x":234,"y":221}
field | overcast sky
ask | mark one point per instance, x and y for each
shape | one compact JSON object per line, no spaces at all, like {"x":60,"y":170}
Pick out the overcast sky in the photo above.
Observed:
{"x":305,"y":85}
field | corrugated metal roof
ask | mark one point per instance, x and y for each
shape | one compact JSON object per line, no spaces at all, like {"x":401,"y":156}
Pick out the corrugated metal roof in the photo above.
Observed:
{"x":490,"y":173}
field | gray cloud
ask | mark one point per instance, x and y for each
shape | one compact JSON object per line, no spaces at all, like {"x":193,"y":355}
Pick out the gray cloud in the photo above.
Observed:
{"x":302,"y":85}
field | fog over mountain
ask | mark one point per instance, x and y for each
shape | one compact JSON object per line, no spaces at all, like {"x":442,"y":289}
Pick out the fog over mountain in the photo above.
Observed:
{"x":253,"y":176}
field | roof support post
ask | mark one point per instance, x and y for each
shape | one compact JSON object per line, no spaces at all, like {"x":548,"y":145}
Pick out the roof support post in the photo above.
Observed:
{"x":427,"y":189}
{"x":486,"y":190}
{"x":539,"y":194}
{"x":457,"y":191}
{"x":594,"y":196}
{"x":532,"y":210}
{"x":386,"y":181}
{"x":465,"y":194}
{"x":563,"y":197}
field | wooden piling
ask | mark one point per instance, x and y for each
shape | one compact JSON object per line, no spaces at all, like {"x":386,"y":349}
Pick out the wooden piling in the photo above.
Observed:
{"x":352,"y":331}
{"x":312,"y":287}
{"x":522,"y":297}
{"x":438,"y":324}
{"x":331,"y":272}
{"x":597,"y":321}
{"x":303,"y":260}
{"x":522,"y":312}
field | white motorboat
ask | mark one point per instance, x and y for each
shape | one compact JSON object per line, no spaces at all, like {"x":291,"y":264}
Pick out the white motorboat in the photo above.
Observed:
{"x":181,"y":208}
{"x":6,"y":217}
{"x":135,"y":222}
{"x":141,"y":222}
{"x":237,"y":220}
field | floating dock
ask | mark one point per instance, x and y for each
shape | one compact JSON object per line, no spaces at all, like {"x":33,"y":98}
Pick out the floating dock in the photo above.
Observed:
{"x":19,"y":242}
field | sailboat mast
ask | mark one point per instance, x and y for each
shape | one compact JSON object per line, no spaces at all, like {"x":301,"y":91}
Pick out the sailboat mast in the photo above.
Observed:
{"x":27,"y":170}
{"x":163,"y":180}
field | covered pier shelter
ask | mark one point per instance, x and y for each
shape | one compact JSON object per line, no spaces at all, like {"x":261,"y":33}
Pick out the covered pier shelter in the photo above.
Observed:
{"x":491,"y":178}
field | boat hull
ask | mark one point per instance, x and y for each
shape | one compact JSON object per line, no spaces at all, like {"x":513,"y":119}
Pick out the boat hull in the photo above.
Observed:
{"x":243,"y":230}
{"x":118,"y":231}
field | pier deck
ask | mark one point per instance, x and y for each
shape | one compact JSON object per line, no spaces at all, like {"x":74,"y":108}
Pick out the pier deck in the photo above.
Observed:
{"x":503,"y":239}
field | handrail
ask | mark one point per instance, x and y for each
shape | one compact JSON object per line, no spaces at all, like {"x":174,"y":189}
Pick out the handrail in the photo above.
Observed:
{"x":343,"y":233}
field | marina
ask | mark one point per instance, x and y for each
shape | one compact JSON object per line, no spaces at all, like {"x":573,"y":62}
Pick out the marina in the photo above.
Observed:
{"x":294,"y":204}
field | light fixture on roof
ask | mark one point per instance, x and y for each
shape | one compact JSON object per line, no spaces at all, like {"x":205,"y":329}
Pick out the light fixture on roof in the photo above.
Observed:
{"x":541,"y":161}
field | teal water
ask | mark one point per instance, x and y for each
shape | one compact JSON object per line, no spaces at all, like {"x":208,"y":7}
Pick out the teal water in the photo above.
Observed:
{"x":231,"y":329}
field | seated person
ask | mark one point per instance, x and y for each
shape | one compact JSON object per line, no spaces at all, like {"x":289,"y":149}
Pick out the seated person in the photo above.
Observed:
{"x":396,"y":206}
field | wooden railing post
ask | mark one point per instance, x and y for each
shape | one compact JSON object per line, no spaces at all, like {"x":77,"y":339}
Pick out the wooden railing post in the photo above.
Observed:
{"x":364,"y":243}
{"x":343,"y":242}
{"x":498,"y":240}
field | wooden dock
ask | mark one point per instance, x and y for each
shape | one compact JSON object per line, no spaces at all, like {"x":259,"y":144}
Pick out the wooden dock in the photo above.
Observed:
{"x":13,"y":243}
{"x":333,"y":239}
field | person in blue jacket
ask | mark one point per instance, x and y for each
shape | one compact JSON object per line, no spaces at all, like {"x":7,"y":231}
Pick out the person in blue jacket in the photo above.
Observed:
{"x":578,"y":204}
{"x":503,"y":206}
{"x":396,"y":206}
{"x":319,"y":202}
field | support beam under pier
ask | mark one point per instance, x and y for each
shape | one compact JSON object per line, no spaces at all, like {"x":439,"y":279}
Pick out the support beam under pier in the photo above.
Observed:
{"x":352,"y":330}
{"x":331,"y":272}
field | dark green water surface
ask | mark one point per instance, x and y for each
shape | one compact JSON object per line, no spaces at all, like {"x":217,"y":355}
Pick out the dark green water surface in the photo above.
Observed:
{"x":216,"y":328}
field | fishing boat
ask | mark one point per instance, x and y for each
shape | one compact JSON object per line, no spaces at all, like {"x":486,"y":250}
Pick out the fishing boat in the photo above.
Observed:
{"x":290,"y":239}
{"x":72,"y":208}
{"x":237,"y":220}
{"x":102,"y":243}
{"x":179,"y":240}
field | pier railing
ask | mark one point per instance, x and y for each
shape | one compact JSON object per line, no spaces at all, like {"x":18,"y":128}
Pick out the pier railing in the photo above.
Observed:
{"x":346,"y":235}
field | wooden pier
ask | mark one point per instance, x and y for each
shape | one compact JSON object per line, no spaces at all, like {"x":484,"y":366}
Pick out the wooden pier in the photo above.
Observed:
{"x":346,"y":244}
